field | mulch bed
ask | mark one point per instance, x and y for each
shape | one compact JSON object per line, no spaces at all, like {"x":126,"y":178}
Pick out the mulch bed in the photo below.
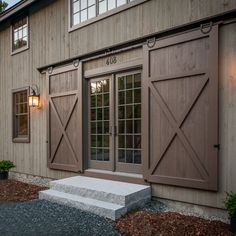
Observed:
{"x":168,"y":224}
{"x":12,"y":191}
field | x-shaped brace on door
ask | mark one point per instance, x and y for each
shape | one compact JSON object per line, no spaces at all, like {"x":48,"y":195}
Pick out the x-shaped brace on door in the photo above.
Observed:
{"x":63,"y":128}
{"x":177,"y":126}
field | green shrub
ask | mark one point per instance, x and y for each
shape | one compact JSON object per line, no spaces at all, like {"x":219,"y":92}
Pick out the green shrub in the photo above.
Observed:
{"x":6,"y":165}
{"x":230,"y":204}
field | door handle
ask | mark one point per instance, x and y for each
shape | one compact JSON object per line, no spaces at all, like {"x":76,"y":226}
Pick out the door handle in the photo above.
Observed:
{"x":217,"y":146}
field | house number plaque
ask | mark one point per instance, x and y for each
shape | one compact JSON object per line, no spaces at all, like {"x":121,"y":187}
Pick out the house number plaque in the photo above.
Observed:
{"x":111,"y":60}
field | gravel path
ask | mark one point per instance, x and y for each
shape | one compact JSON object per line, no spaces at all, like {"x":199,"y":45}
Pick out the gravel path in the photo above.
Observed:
{"x":43,"y":218}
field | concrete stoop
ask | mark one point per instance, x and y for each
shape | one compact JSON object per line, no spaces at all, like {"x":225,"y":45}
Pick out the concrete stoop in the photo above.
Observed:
{"x":110,"y":199}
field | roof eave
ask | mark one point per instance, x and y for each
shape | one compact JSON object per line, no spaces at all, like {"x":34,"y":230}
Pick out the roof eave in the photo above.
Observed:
{"x":14,"y":9}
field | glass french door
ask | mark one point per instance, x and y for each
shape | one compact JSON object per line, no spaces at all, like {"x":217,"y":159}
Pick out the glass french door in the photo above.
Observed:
{"x":128,"y":122}
{"x":100,"y":123}
{"x":115,"y":122}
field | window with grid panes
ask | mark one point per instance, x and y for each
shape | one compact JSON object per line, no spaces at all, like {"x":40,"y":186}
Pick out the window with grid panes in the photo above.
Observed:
{"x":20,"y":116}
{"x":83,"y":10}
{"x":20,"y":35}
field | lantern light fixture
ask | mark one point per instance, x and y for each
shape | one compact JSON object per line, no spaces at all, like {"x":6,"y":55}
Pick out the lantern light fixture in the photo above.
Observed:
{"x":34,"y":97}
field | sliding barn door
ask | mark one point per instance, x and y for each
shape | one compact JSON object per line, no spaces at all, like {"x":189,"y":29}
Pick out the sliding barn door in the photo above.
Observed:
{"x":64,"y":119}
{"x":180,"y":110}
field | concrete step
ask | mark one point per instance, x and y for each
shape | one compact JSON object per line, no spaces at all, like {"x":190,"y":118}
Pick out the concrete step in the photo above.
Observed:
{"x":107,"y":198}
{"x":125,"y":194}
{"x":101,"y":208}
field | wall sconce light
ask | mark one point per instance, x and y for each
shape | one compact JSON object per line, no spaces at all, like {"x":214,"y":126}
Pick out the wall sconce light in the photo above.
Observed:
{"x":34,"y":97}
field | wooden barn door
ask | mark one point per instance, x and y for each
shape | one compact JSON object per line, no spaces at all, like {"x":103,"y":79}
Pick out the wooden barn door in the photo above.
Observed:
{"x":180,"y":110}
{"x":64,"y":119}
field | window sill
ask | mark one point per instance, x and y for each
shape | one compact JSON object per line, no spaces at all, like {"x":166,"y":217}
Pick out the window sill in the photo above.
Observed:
{"x":20,"y":50}
{"x":21,"y":140}
{"x":104,"y":15}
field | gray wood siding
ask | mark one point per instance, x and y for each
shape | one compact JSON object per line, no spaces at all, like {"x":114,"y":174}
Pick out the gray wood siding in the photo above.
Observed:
{"x":50,"y":42}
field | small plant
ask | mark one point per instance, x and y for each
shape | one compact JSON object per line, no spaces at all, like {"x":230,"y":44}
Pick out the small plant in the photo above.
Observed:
{"x":230,"y":204}
{"x":6,"y":165}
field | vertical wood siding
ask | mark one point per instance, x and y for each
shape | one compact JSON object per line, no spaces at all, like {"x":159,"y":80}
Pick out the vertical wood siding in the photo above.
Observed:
{"x":50,"y":42}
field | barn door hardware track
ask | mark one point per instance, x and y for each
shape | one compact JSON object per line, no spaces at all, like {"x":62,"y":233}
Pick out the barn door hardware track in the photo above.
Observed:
{"x":206,"y":28}
{"x":151,"y":42}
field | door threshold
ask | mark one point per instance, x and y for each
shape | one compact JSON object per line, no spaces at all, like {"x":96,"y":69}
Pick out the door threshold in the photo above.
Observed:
{"x":116,"y":176}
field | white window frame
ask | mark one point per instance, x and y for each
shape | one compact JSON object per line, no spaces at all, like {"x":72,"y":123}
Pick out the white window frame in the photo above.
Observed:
{"x":99,"y":17}
{"x":13,"y":52}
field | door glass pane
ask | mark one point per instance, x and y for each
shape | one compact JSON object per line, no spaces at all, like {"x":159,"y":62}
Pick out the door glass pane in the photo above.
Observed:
{"x":121,"y":83}
{"x":137,"y":126}
{"x":93,"y":87}
{"x":99,"y":141}
{"x":106,"y":99}
{"x":129,"y":156}
{"x":121,"y":155}
{"x":99,"y":155}
{"x":137,"y":141}
{"x":99,"y":114}
{"x":93,"y":114}
{"x":121,"y":98}
{"x":105,"y":86}
{"x":129,"y":118}
{"x":99,"y":100}
{"x":99,"y":120}
{"x":106,"y":154}
{"x":137,"y":157}
{"x":137,"y":111}
{"x":129,"y":126}
{"x":129,"y":141}
{"x":129,"y":81}
{"x":93,"y":101}
{"x":106,"y":114}
{"x":137,"y":96}
{"x":99,"y":127}
{"x":129,"y":96}
{"x":121,"y":112}
{"x":106,"y":141}
{"x":93,"y":153}
{"x":106,"y":127}
{"x":137,"y":80}
{"x":93,"y":141}
{"x":93,"y":127}
{"x":129,"y":112}
{"x":121,"y":127}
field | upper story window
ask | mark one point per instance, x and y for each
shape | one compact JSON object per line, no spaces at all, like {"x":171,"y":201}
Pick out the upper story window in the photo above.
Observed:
{"x":20,"y":35}
{"x":83,"y":10}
